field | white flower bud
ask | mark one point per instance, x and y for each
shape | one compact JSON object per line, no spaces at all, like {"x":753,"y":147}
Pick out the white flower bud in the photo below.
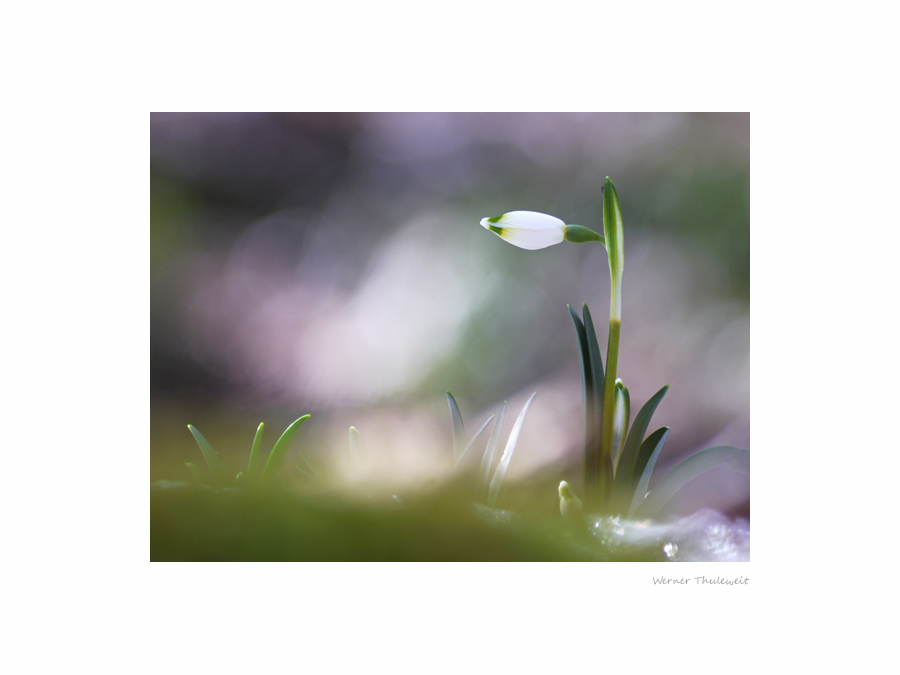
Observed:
{"x":527,"y":229}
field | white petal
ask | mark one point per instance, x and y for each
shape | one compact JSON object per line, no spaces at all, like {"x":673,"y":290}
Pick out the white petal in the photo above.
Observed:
{"x":533,"y":239}
{"x":531,"y":220}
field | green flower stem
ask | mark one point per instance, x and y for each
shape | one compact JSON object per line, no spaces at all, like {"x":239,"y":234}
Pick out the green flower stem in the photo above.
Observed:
{"x":615,"y":242}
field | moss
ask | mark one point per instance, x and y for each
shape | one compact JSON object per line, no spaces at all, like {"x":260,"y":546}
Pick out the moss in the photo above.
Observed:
{"x":191,"y":523}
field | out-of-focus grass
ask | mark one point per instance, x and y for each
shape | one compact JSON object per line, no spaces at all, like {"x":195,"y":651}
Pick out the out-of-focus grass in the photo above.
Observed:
{"x":196,"y":523}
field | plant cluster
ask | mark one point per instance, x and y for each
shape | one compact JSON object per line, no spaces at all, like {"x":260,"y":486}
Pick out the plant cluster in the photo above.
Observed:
{"x":619,"y":457}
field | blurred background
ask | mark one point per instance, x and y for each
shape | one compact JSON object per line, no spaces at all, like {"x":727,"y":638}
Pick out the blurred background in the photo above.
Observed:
{"x":333,"y":264}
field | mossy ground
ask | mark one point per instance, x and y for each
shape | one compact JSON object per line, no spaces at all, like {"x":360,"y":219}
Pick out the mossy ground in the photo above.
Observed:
{"x":196,"y":523}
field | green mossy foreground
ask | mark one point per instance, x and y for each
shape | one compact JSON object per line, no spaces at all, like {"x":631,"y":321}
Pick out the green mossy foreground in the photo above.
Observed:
{"x":195,"y":523}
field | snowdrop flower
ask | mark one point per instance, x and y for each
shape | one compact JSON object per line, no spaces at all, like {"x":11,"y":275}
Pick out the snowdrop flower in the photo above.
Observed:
{"x":531,"y":230}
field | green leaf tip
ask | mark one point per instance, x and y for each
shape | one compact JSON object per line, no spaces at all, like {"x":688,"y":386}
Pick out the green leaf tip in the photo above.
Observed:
{"x":500,"y":473}
{"x":254,"y":451}
{"x":212,"y":460}
{"x":615,"y":246}
{"x":487,"y":459}
{"x":278,"y":452}
{"x":457,"y":427}
{"x":472,"y":440}
{"x":569,"y":503}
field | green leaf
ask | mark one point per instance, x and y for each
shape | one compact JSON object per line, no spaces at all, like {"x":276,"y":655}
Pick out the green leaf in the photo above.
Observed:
{"x":459,"y":431}
{"x":281,"y":446}
{"x":646,"y":461}
{"x":625,"y":469}
{"x":500,"y":473}
{"x":595,"y":359}
{"x":254,"y":452}
{"x":212,"y":460}
{"x":684,"y":472}
{"x":473,"y":439}
{"x":487,"y":460}
{"x":590,"y":412}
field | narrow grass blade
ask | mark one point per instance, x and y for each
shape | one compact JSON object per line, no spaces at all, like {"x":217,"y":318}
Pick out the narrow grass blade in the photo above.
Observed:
{"x":686,"y":471}
{"x":459,"y":431}
{"x":473,"y":439}
{"x":646,"y":462}
{"x":281,"y":446}
{"x":254,"y":452}
{"x":311,"y":467}
{"x":212,"y":460}
{"x":500,"y":473}
{"x":354,"y":445}
{"x":487,"y":460}
{"x":626,"y":476}
{"x":304,"y":471}
{"x":590,"y":398}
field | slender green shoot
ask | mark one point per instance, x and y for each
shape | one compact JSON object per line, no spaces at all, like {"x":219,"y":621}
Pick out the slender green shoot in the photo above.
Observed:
{"x":459,"y":431}
{"x":304,"y":472}
{"x":615,"y":249}
{"x":212,"y":460}
{"x":278,"y":452}
{"x":254,"y":452}
{"x":500,"y":473}
{"x":310,"y":466}
{"x":471,"y":442}
{"x":487,"y":460}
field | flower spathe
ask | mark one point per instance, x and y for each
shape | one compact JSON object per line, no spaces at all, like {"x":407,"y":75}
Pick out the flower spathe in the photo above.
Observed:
{"x":527,"y":229}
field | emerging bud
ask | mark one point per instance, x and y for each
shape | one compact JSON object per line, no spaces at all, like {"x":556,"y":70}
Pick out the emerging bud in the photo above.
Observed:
{"x":527,"y":229}
{"x":622,"y":408}
{"x":569,"y":504}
